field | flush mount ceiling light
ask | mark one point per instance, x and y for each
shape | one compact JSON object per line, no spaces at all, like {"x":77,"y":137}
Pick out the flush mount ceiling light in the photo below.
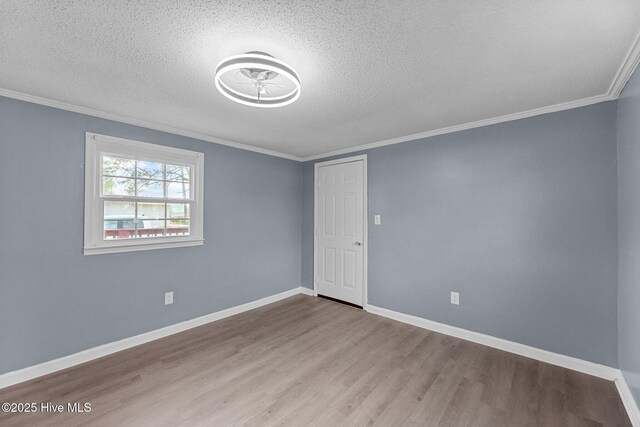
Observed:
{"x":258,"y":80}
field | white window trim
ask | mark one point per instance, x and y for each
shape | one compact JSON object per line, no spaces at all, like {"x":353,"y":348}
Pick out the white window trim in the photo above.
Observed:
{"x":96,"y":145}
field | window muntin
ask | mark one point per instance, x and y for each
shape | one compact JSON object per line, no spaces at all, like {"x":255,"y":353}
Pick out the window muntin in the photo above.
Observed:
{"x":141,"y":194}
{"x":143,"y":199}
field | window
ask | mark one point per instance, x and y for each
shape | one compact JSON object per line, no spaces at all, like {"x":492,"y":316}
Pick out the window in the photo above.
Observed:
{"x":140,"y":196}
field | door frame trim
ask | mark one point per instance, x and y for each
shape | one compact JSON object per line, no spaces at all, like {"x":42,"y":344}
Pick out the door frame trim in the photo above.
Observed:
{"x":365,"y":222}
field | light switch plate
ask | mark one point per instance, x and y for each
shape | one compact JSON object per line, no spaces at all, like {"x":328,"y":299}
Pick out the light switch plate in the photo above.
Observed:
{"x":376,"y":219}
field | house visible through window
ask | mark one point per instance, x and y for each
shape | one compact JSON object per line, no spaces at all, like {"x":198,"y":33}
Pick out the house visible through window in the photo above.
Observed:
{"x":145,"y":199}
{"x":141,"y":196}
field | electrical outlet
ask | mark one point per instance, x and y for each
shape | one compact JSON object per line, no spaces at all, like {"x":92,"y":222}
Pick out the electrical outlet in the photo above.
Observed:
{"x":455,"y":298}
{"x":168,"y":298}
{"x":376,"y":219}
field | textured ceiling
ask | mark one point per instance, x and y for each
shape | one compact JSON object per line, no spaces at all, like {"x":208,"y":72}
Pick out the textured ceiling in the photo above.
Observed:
{"x":370,"y":70}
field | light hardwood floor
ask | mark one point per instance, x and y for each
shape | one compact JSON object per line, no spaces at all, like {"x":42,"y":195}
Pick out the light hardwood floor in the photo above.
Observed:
{"x":309,"y":361}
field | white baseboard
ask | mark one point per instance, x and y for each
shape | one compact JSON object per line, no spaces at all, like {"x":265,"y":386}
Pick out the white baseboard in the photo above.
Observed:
{"x":306,"y":291}
{"x":568,"y":362}
{"x":15,"y":377}
{"x":561,"y":360}
{"x":602,"y":371}
{"x":628,"y":400}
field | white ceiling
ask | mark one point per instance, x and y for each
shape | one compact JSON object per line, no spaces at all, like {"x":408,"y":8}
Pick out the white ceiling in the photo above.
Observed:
{"x":371,"y":71}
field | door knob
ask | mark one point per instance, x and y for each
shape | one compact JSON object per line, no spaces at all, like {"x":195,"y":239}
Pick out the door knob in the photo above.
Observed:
{"x":358,"y":243}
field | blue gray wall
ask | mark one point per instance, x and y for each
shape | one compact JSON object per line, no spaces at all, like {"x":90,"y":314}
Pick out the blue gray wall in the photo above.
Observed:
{"x":520,"y":218}
{"x":54,"y":301}
{"x":629,"y":233}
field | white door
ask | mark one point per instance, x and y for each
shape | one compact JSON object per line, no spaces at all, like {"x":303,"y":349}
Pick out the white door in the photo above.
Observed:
{"x":340,"y":218}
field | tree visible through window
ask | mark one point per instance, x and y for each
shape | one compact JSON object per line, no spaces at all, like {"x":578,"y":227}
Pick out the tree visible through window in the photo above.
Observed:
{"x":144,"y":198}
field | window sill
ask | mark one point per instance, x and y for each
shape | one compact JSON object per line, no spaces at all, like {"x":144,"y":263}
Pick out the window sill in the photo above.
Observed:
{"x":141,"y":247}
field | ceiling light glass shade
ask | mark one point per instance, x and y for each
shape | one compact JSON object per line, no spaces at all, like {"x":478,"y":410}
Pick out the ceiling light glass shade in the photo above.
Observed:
{"x":258,"y":80}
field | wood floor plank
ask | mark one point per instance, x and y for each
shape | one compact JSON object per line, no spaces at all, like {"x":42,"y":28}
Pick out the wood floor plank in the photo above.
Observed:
{"x":310,"y":361}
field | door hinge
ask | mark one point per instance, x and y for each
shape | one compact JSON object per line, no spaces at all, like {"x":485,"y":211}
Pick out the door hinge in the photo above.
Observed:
{"x":317,"y":234}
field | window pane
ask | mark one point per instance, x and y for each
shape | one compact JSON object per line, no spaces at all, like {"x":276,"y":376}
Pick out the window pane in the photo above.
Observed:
{"x":118,"y":186}
{"x":178,"y":227}
{"x":118,"y":229}
{"x":119,"y":210}
{"x":147,"y":188}
{"x":118,"y":167}
{"x":178,"y":173}
{"x":119,"y":220}
{"x":178,"y":190}
{"x":177,"y":210}
{"x":150,"y":170}
{"x":150,"y":227}
{"x":150,"y":211}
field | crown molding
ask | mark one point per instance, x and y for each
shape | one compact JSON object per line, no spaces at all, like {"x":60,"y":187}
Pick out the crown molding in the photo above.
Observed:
{"x":623,"y":75}
{"x":625,"y":71}
{"x":466,"y":126}
{"x":141,"y":123}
